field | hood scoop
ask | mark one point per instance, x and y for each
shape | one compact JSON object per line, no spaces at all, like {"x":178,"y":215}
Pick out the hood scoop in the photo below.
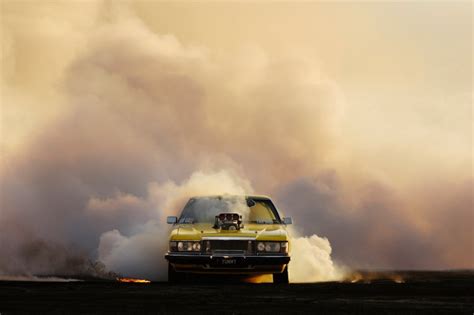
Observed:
{"x":229,"y":221}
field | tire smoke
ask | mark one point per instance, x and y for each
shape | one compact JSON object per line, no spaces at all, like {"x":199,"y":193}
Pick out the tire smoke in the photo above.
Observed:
{"x":108,"y":126}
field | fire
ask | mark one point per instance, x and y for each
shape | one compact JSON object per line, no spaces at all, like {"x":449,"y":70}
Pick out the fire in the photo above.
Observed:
{"x":133,"y":280}
{"x":368,"y":277}
{"x":259,"y":279}
{"x":356,"y":278}
{"x":398,"y":279}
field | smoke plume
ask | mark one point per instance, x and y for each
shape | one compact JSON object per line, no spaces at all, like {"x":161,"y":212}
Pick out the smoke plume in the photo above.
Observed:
{"x":109,"y":126}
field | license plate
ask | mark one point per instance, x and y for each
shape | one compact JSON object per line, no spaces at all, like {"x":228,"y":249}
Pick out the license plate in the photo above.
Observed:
{"x":229,"y":261}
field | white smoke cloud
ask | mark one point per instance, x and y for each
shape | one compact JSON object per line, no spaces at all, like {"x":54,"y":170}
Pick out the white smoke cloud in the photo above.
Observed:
{"x":311,"y":260}
{"x":126,"y":124}
{"x":141,"y":255}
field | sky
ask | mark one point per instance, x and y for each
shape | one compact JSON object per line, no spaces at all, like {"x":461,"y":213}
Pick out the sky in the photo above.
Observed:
{"x":356,"y":117}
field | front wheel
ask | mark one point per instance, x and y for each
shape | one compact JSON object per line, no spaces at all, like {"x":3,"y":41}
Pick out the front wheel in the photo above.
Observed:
{"x":281,"y":277}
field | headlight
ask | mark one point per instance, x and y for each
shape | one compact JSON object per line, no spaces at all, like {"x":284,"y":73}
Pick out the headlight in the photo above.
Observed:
{"x":196,"y":246}
{"x":185,"y":246}
{"x":189,"y":246}
{"x":272,"y":247}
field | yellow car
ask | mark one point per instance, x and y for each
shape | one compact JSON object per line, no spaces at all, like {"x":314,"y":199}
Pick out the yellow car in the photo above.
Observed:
{"x":229,"y":235}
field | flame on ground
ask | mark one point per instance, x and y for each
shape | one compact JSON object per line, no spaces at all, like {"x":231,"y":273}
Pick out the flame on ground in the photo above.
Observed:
{"x":133,"y":280}
{"x":397,"y":279}
{"x":368,"y":277}
{"x":266,"y":278}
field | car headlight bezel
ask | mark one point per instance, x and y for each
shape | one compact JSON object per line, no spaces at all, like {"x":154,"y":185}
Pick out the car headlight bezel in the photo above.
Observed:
{"x":272,"y":247}
{"x":185,"y":246}
{"x":196,"y":246}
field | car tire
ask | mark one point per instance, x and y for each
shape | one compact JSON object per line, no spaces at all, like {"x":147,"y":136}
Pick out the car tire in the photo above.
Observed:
{"x":173,"y":276}
{"x":281,"y":278}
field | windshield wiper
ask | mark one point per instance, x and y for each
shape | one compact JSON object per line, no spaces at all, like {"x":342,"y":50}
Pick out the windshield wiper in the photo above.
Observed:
{"x":187,"y":221}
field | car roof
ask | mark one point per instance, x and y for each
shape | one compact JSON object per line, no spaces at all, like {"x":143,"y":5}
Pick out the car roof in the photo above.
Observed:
{"x":261,"y":197}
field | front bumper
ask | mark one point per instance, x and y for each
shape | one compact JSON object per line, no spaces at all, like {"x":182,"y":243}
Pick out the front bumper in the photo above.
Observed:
{"x":236,"y":264}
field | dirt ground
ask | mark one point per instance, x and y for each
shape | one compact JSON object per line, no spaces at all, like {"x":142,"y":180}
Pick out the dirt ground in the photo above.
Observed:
{"x":373,"y":293}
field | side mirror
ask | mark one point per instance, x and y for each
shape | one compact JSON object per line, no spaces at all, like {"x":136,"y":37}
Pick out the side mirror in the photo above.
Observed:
{"x":287,"y":221}
{"x":171,"y":220}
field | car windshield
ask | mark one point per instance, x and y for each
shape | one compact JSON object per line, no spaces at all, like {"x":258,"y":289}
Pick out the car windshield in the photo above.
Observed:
{"x":204,"y":210}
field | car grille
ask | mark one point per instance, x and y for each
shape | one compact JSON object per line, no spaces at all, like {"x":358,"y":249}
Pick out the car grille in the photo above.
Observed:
{"x":229,"y":246}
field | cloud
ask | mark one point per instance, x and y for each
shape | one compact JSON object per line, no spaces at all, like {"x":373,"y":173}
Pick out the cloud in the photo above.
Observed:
{"x":137,"y":121}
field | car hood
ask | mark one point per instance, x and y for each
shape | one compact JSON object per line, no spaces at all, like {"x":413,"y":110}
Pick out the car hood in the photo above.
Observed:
{"x":268,"y":232}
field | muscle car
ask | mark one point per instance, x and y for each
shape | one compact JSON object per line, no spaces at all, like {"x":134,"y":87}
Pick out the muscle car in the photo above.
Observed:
{"x":229,"y":235}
